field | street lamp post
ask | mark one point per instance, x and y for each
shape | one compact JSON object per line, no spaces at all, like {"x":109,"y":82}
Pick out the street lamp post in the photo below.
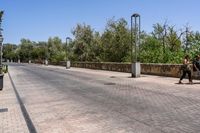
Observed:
{"x":46,"y":55}
{"x":187,"y":40}
{"x":1,"y":45}
{"x":135,"y":43}
{"x":68,"y":64}
{"x":18,"y":59}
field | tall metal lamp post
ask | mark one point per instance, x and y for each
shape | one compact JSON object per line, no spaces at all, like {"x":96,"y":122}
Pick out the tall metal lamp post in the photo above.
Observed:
{"x":68,"y":63}
{"x":1,"y":45}
{"x":135,"y":42}
{"x":46,"y":55}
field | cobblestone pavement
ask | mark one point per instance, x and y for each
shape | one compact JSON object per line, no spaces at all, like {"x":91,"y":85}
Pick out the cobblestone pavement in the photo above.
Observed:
{"x":11,"y":118}
{"x":88,"y":101}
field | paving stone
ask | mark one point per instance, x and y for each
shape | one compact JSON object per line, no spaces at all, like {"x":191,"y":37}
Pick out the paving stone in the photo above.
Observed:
{"x":11,"y":121}
{"x":87,"y":101}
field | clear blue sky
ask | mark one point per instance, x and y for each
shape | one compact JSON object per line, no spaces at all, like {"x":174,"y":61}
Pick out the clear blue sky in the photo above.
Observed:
{"x":38,"y":20}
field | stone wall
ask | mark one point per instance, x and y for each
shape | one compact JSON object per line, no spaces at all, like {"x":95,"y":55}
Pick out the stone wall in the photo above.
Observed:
{"x":119,"y":67}
{"x":169,"y":70}
{"x":152,"y":69}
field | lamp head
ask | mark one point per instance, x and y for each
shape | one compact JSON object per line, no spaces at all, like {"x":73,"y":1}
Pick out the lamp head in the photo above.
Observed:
{"x":1,"y":15}
{"x":1,"y":39}
{"x":68,"y":38}
{"x":135,"y":15}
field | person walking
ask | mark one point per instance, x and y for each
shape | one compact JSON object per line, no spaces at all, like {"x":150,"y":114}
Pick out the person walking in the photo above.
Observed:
{"x":186,"y":69}
{"x":196,"y":65}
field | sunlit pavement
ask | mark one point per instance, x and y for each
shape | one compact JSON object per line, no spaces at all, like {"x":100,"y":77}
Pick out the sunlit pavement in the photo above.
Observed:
{"x":59,"y":100}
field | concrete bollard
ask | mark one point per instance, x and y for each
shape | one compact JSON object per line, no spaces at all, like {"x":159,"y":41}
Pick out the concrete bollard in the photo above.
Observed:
{"x":46,"y":62}
{"x":136,"y":70}
{"x":68,"y":64}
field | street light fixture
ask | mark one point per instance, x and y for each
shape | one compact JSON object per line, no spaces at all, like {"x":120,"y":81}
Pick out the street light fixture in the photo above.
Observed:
{"x":1,"y":38}
{"x":68,"y":64}
{"x":135,"y":32}
{"x":1,"y":45}
{"x":46,"y":54}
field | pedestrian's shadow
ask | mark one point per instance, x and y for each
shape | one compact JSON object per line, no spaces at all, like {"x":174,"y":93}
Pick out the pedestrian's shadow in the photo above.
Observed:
{"x":3,"y":110}
{"x":196,"y":82}
{"x":188,"y":83}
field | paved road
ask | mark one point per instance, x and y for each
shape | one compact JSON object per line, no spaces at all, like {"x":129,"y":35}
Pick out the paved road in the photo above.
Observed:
{"x":56,"y":100}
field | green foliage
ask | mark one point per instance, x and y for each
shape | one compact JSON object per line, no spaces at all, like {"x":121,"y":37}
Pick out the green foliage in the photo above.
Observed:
{"x":57,"y":57}
{"x":55,"y":49}
{"x":194,"y":44}
{"x":116,"y":41}
{"x":164,"y":45}
{"x":9,"y":51}
{"x":26,"y":48}
{"x":150,"y":51}
{"x":84,"y":43}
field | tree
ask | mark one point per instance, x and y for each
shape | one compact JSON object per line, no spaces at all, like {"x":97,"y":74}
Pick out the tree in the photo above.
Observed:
{"x":170,"y":41}
{"x":85,"y":42}
{"x":25,"y":51}
{"x":56,"y":52}
{"x":39,"y":52}
{"x":9,"y":51}
{"x":116,"y":41}
{"x":165,"y":44}
{"x":150,"y":50}
{"x":194,"y":43}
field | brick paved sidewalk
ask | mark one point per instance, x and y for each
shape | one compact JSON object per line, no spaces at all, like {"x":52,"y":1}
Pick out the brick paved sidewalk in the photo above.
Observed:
{"x":11,"y":118}
{"x":62,"y":106}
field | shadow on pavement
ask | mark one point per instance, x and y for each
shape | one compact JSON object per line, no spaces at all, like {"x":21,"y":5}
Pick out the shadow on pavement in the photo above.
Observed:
{"x":187,"y":83}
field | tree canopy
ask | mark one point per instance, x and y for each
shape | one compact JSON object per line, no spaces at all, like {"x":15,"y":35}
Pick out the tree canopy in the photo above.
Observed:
{"x":165,"y":44}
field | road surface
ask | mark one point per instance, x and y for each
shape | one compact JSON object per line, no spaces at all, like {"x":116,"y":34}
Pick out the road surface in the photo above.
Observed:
{"x":56,"y":100}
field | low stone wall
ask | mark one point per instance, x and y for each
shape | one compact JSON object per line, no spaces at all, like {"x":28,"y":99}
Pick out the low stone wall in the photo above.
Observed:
{"x":152,"y":69}
{"x":119,"y":67}
{"x":169,"y":70}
